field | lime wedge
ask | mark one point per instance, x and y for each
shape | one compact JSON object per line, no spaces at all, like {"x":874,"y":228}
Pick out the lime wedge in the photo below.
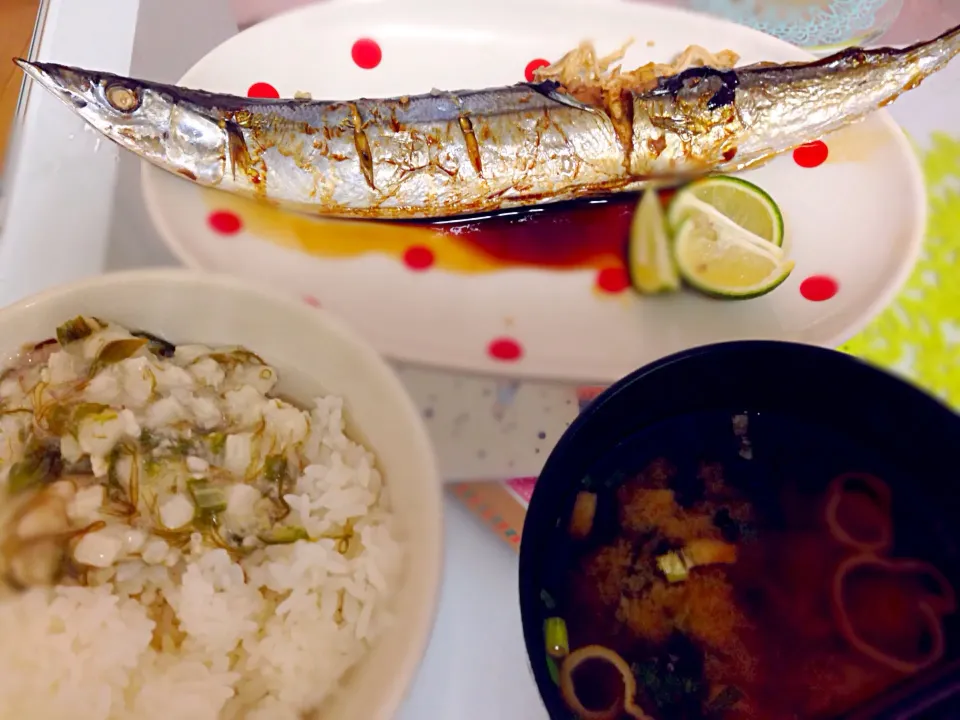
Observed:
{"x":727,"y":262}
{"x":648,"y":257}
{"x":737,"y":201}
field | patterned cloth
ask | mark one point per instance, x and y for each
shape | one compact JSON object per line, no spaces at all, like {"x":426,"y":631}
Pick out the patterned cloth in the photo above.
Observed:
{"x":918,"y":335}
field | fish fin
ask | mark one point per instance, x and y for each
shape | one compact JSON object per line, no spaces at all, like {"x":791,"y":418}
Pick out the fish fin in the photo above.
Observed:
{"x":473,"y":147}
{"x":237,"y":149}
{"x":553,"y":90}
{"x":362,"y":146}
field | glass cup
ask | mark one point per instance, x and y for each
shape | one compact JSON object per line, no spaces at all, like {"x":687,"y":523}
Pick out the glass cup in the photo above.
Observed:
{"x":820,"y":26}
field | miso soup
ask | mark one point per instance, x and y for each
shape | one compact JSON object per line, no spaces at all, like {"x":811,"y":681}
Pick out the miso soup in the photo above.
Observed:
{"x":744,"y":567}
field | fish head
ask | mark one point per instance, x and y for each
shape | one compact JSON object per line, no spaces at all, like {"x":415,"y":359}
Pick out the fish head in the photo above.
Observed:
{"x":151,"y":120}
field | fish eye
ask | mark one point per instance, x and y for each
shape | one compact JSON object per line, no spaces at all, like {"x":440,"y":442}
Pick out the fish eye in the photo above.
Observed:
{"x":122,"y":98}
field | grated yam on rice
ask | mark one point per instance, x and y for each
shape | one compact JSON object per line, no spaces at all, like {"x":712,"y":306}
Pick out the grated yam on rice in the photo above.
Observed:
{"x":220,"y":616}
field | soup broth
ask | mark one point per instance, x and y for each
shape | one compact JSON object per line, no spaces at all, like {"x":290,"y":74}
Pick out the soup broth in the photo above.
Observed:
{"x":744,"y":567}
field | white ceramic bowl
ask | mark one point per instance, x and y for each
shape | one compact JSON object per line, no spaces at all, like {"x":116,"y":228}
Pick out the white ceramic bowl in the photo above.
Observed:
{"x":312,"y":352}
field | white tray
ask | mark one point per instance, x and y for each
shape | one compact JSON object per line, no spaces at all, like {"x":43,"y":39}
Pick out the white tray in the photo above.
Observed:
{"x":73,"y":209}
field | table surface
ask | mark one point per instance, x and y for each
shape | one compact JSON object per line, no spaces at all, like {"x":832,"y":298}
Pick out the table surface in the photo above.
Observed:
{"x":475,"y":667}
{"x":17,"y":21}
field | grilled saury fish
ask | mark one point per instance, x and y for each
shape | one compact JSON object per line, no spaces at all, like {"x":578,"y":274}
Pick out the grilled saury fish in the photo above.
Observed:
{"x":450,"y":153}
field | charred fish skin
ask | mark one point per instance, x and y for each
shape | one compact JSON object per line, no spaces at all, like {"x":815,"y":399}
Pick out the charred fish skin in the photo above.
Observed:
{"x":410,"y":157}
{"x":704,"y":120}
{"x":453,"y":153}
{"x":438,"y":154}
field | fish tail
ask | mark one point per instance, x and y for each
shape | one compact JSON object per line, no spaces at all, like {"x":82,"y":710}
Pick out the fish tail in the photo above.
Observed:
{"x":932,"y":55}
{"x":949,"y":39}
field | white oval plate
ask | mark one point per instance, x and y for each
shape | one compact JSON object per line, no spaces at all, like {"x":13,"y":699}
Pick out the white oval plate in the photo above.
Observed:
{"x":857,"y":219}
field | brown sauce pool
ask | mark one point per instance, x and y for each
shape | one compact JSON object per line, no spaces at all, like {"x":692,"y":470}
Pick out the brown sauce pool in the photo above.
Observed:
{"x":560,"y":235}
{"x":579,"y":235}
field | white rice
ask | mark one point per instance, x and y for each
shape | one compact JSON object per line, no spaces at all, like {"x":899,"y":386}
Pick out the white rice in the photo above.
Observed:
{"x":267,"y":637}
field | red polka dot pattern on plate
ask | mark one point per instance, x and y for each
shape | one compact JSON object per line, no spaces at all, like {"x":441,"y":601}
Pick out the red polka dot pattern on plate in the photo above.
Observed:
{"x":812,"y":154}
{"x":613,"y":280}
{"x":532,"y":66}
{"x":418,"y":257}
{"x":505,"y":349}
{"x":311,"y":301}
{"x":366,"y":53}
{"x":225,"y":222}
{"x":818,"y":288}
{"x":263,"y":90}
